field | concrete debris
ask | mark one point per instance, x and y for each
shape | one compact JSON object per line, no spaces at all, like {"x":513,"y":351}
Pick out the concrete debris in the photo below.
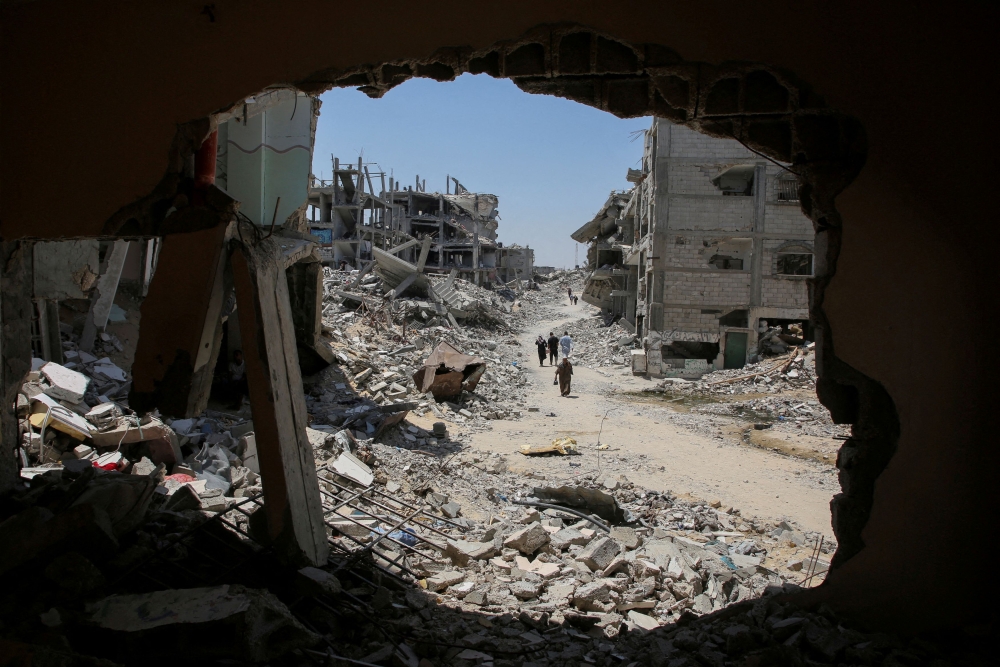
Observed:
{"x":245,"y":624}
{"x":353,"y":469}
{"x":646,"y":578}
{"x":447,"y":372}
{"x":65,"y":384}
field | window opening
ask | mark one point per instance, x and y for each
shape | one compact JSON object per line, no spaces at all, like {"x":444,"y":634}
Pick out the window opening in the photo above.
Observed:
{"x":726,"y":262}
{"x":788,"y":188}
{"x":736,"y":181}
{"x":795,"y":264}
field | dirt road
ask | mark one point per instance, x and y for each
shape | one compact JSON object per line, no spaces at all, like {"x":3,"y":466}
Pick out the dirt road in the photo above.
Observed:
{"x":650,"y":444}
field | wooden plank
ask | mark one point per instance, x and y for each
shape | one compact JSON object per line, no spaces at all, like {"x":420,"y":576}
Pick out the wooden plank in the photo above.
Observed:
{"x":293,"y":506}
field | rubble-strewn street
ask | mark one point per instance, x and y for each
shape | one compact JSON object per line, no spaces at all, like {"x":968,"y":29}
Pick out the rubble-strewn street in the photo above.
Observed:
{"x":653,"y":508}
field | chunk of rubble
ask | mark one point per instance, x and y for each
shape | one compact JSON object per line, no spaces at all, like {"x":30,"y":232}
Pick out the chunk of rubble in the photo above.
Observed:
{"x":528,"y":540}
{"x":245,"y":625}
{"x":443,"y":580}
{"x":599,"y":553}
{"x":64,"y":384}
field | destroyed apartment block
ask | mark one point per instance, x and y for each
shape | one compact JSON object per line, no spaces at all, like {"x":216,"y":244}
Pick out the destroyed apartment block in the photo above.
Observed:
{"x":354,"y":225}
{"x":706,"y":259}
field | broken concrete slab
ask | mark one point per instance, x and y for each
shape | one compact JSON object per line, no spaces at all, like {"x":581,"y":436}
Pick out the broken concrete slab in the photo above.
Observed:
{"x":231,"y":622}
{"x":599,"y":553}
{"x":528,"y":540}
{"x":567,"y":537}
{"x":443,"y":580}
{"x":644,"y":622}
{"x":350,"y":467}
{"x":525,"y":590}
{"x":461,"y":552}
{"x":626,"y":536}
{"x":65,"y":384}
{"x":451,"y":510}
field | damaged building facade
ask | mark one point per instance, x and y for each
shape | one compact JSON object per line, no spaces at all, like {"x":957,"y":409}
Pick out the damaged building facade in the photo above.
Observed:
{"x":709,"y":250}
{"x":355,"y":225}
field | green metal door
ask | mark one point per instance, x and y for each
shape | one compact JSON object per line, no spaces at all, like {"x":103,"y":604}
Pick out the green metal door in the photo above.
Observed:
{"x":736,"y":350}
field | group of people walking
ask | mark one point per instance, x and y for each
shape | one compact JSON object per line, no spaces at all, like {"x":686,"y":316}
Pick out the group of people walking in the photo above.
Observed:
{"x":572,"y":299}
{"x":553,"y":346}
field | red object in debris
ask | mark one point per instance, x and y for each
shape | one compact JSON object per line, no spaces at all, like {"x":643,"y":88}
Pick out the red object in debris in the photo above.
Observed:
{"x":181,"y":478}
{"x":204,"y":162}
{"x":111,"y":461}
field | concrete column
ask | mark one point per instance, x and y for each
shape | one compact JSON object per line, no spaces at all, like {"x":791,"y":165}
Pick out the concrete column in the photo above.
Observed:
{"x":757,"y":247}
{"x":292,"y":507}
{"x":475,"y":258}
{"x":441,"y":244}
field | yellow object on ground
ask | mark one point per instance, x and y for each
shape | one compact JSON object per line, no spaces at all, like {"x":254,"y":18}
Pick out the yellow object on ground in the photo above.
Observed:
{"x":561,"y":446}
{"x":62,"y":421}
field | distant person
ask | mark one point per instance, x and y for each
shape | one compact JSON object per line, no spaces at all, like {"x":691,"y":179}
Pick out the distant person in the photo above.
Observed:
{"x":237,"y":379}
{"x":564,"y":374}
{"x":343,"y":265}
{"x":566,"y":343}
{"x":553,"y":349}
{"x":569,"y":293}
{"x":543,"y":347}
{"x":576,"y":300}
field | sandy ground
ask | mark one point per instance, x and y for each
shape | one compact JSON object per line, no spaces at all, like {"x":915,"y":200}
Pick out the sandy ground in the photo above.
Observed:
{"x":652,"y":444}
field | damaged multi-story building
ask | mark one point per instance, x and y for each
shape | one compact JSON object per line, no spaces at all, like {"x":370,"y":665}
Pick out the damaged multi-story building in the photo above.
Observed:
{"x":708,"y":250}
{"x":354,"y":225}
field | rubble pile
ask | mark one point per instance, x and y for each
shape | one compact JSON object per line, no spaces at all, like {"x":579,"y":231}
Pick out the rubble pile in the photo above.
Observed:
{"x":596,"y":345}
{"x":75,"y":416}
{"x":788,"y":372}
{"x":471,"y":304}
{"x":378,"y":357}
{"x":779,"y":391}
{"x":668,"y":556}
{"x":563,"y":277}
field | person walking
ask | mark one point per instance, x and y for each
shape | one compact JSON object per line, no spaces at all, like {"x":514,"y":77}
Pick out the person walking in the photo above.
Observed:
{"x":564,"y":373}
{"x":543,"y":347}
{"x":553,"y":349}
{"x":566,"y":343}
{"x":569,"y":293}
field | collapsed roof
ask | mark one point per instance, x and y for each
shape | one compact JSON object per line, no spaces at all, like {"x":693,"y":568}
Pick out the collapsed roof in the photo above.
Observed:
{"x":606,"y":220}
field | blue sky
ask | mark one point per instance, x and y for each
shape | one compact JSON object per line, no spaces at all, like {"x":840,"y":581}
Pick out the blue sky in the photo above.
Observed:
{"x":552,"y":162}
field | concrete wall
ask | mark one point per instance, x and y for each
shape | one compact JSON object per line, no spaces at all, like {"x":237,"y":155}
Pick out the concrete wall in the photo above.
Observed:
{"x":708,"y":289}
{"x":893,"y":272}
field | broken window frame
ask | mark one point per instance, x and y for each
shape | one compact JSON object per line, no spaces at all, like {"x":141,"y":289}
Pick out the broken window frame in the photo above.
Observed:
{"x":788,"y":188}
{"x":782,"y":267}
{"x":727,"y":263}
